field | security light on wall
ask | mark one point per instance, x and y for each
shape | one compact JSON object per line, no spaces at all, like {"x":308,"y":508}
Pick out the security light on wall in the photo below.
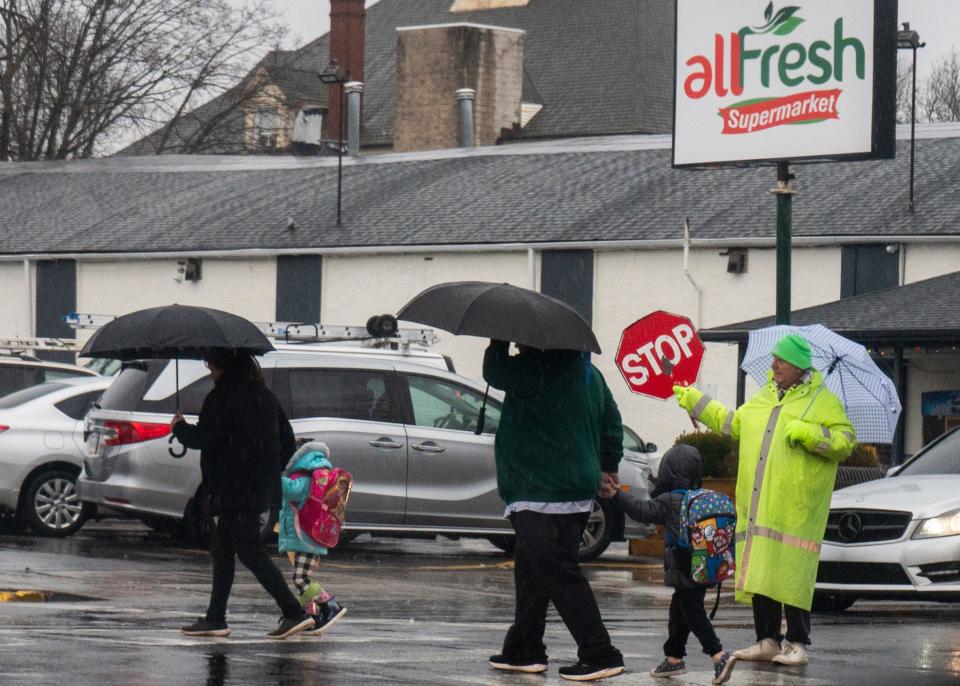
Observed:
{"x":736,"y":260}
{"x":190,"y":269}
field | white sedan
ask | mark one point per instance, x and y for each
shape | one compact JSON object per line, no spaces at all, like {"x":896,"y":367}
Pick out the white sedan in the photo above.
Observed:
{"x":896,"y":537}
{"x":41,"y":452}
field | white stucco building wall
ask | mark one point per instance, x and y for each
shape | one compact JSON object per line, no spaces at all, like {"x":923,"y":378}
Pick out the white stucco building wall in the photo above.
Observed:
{"x":357,"y":287}
{"x":246,"y":287}
{"x":628,"y":284}
{"x":926,"y":260}
{"x":17,"y":304}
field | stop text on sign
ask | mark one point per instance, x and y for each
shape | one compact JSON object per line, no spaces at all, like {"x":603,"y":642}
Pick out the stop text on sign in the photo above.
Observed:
{"x":658,"y":351}
{"x":673,"y":347}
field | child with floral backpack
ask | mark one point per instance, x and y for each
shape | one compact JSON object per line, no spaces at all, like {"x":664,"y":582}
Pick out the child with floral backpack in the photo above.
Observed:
{"x":304,"y":553}
{"x":681,"y":470}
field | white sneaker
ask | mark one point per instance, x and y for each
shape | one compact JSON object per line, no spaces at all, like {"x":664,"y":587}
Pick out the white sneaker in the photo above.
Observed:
{"x":792,"y":654}
{"x":761,"y":651}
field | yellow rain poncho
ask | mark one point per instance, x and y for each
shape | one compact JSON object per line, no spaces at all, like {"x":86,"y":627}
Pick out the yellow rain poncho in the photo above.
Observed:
{"x":784,"y":482}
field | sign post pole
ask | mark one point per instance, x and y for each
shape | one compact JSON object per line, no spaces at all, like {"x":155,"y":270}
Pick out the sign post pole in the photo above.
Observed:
{"x":784,"y":194}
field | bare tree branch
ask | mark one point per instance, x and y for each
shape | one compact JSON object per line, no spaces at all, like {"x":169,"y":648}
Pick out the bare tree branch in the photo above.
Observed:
{"x":75,"y":73}
{"x":904,"y":89}
{"x":940,"y":99}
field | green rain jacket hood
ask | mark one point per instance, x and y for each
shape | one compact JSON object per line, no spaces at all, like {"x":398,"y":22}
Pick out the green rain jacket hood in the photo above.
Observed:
{"x":783,"y":488}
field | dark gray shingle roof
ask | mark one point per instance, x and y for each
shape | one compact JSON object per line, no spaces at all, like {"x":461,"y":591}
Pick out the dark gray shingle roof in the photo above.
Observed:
{"x":609,"y":189}
{"x":923,"y":311}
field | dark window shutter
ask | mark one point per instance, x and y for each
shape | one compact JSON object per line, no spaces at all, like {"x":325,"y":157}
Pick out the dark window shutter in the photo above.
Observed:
{"x":298,"y":288}
{"x":868,"y":268}
{"x":567,"y":275}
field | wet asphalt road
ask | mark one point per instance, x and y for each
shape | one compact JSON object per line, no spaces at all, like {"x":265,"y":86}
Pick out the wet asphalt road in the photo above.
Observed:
{"x":419,"y":612}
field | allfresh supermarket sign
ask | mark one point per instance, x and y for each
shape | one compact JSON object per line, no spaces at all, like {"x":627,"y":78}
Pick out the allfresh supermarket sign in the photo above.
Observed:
{"x":782,"y":80}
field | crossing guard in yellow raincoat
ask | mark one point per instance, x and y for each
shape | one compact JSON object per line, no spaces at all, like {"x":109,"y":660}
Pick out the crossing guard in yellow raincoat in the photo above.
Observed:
{"x":784,"y":484}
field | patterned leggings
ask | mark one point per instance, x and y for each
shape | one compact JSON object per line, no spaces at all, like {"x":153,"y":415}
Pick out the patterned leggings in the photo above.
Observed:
{"x":303,"y":563}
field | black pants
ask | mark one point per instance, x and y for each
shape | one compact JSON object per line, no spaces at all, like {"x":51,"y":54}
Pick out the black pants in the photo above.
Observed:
{"x":238,"y":535}
{"x":547,"y":569}
{"x":687,"y":615}
{"x":767,"y":615}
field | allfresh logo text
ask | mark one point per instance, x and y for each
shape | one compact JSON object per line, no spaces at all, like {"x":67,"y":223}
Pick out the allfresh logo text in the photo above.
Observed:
{"x":762,"y":58}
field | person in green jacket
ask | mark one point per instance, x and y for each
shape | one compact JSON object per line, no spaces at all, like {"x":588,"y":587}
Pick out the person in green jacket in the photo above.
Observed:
{"x":793,"y":432}
{"x":560,"y":433}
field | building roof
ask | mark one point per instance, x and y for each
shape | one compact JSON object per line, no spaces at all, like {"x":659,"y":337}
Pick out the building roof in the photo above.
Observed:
{"x":923,"y":312}
{"x":602,"y":191}
{"x":599,"y":67}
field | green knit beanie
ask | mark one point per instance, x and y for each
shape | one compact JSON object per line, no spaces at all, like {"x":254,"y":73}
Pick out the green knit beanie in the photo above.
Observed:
{"x":795,"y":350}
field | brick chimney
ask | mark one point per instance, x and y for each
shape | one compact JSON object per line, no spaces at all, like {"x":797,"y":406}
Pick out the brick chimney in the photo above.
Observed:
{"x":436,"y":62}
{"x":347,"y":18}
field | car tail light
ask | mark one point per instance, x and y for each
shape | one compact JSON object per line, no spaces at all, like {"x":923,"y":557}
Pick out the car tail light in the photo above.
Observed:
{"x":3,"y":427}
{"x":123,"y":433}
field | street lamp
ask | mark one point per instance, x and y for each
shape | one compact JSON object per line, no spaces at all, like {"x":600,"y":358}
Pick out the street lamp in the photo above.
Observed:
{"x":908,"y":39}
{"x":335,"y":74}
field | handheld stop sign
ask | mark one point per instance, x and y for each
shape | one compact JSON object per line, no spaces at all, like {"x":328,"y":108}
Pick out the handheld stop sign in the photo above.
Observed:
{"x":658,"y":351}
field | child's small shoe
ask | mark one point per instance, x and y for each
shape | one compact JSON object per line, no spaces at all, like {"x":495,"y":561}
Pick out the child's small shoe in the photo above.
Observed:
{"x":330,"y":613}
{"x":667,"y":668}
{"x":723,"y":667}
{"x":317,"y":629}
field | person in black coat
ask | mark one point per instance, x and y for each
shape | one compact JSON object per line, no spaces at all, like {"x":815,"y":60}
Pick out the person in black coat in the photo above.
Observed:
{"x":244,"y":440}
{"x":681,"y":469}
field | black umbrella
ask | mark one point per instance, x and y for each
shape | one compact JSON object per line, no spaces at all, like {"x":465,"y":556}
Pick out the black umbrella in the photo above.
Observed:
{"x":173,"y":332}
{"x":502,"y":312}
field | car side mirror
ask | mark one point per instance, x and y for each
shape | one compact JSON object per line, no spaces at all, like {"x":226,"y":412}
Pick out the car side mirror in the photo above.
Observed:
{"x":650,"y":448}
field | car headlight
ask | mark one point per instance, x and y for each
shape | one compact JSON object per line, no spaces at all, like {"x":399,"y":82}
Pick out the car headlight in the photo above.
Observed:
{"x":947,"y":524}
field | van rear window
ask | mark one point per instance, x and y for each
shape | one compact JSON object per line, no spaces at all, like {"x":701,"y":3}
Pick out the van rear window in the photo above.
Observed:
{"x":127,"y":389}
{"x":137,"y":389}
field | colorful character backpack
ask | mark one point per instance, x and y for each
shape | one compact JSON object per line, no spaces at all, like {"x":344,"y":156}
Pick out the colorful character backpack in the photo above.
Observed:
{"x":324,"y":511}
{"x":708,"y":522}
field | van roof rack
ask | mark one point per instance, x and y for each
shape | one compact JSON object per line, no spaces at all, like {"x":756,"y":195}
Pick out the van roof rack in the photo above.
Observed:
{"x":301,"y":332}
{"x":17,"y":344}
{"x":82,"y":320}
{"x":305,"y":333}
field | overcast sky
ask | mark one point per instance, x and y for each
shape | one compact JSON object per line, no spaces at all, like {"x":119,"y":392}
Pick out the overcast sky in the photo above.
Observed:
{"x":936,"y":21}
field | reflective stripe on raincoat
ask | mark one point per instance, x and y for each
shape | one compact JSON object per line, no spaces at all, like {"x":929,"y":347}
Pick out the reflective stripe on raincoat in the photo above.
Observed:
{"x":783,"y":491}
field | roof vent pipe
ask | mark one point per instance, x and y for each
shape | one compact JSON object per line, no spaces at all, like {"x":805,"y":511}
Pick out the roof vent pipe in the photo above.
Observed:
{"x":354,"y":90}
{"x":465,"y":98}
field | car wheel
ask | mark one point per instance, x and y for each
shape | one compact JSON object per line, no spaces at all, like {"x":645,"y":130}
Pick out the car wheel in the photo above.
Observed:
{"x":52,"y":506}
{"x":832,"y":602}
{"x":505,"y":543}
{"x":596,"y":535}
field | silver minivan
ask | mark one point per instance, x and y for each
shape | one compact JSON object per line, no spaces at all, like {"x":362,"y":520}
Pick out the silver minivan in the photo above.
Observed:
{"x":402,"y":425}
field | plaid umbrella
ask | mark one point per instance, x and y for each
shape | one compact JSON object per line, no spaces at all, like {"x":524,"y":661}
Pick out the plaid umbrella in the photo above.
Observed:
{"x":867,"y":394}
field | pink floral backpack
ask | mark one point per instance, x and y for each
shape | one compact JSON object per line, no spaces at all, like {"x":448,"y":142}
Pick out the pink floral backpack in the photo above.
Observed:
{"x":324,"y":511}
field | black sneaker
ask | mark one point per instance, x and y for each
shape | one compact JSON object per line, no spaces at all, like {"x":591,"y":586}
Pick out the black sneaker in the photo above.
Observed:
{"x":317,"y":629}
{"x":667,"y":668}
{"x":290,"y":626}
{"x":330,"y":613}
{"x":586,"y":671}
{"x":509,"y":664}
{"x":723,"y":667}
{"x":204,"y":627}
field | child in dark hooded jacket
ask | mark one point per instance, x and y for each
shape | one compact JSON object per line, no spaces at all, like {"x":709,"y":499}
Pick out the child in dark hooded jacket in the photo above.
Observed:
{"x":304,"y":553}
{"x":681,"y":469}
